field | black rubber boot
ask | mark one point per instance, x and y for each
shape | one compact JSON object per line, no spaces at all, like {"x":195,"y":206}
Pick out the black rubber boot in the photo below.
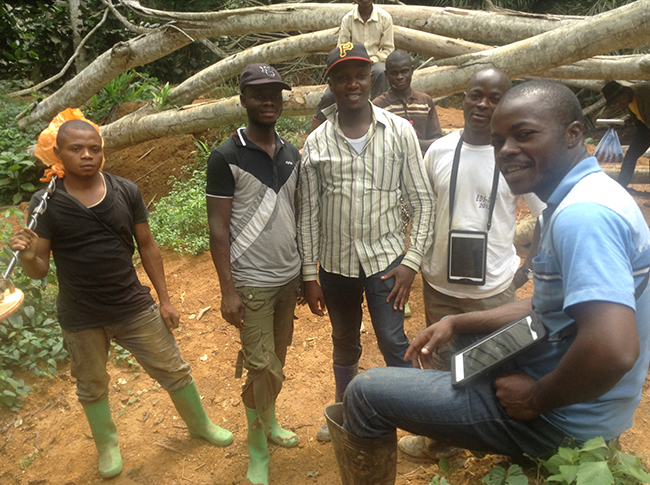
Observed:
{"x":343,"y":375}
{"x":361,"y":461}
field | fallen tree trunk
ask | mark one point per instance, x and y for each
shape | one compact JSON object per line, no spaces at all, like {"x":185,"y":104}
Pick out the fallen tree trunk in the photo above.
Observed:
{"x":446,"y":21}
{"x":621,"y":28}
{"x":124,"y":55}
{"x":195,"y":26}
{"x":617,"y":29}
{"x":317,"y":42}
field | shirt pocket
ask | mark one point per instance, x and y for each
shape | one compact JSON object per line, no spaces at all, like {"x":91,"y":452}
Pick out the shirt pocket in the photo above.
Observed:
{"x":386,"y":173}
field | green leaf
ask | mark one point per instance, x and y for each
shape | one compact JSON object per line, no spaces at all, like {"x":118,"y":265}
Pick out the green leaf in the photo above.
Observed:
{"x":29,"y":311}
{"x":594,"y":444}
{"x":631,"y":465}
{"x":496,"y":476}
{"x":17,"y":198}
{"x":594,"y":473}
{"x":517,"y":480}
{"x":556,"y":478}
{"x":29,"y":187}
{"x":569,"y":472}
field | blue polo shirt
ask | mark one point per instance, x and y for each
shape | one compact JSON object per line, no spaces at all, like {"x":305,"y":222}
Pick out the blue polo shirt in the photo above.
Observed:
{"x":595,"y":246}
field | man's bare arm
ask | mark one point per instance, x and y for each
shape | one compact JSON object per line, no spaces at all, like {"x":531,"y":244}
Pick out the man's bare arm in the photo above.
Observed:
{"x":153,"y":265}
{"x":219,"y":211}
{"x":606,"y":347}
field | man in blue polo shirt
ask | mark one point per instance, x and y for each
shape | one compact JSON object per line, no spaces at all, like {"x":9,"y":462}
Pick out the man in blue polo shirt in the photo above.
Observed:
{"x":251,"y":185}
{"x":591,"y":293}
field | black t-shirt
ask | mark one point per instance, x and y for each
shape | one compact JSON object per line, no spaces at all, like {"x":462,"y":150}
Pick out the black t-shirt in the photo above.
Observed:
{"x":98,"y":284}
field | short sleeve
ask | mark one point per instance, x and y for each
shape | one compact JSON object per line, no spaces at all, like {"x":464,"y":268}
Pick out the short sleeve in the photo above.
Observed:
{"x":594,"y":247}
{"x":220,"y":181}
{"x":138,"y":206}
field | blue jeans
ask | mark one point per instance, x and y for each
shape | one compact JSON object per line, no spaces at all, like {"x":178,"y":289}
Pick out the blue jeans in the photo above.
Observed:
{"x":423,"y":402}
{"x":344,"y":296}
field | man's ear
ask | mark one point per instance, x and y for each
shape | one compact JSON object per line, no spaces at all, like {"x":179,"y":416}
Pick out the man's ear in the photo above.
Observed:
{"x":574,"y":134}
{"x":57,"y":151}
{"x":241,"y":100}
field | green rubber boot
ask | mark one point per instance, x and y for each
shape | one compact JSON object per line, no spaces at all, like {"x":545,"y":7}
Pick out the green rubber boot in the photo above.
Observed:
{"x":105,"y":436}
{"x":188,"y":404}
{"x":258,"y":451}
{"x":279,"y":436}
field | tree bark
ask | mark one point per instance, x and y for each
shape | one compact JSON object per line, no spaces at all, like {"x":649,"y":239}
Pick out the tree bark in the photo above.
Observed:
{"x":300,"y":45}
{"x":77,"y":25}
{"x":617,"y":29}
{"x":446,"y":21}
{"x":621,"y":28}
{"x":112,"y":63}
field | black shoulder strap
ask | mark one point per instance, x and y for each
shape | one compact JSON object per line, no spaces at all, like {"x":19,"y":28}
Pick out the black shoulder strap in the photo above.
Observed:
{"x":641,"y":287}
{"x":88,"y":211}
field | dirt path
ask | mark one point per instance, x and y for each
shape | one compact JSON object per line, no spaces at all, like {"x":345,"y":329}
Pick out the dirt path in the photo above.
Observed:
{"x":48,"y":441}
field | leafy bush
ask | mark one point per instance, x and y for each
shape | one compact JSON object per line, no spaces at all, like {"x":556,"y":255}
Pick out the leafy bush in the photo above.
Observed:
{"x":19,"y":172}
{"x":498,"y":475}
{"x":595,"y":463}
{"x":180,"y":220}
{"x":129,"y":86}
{"x":30,"y":339}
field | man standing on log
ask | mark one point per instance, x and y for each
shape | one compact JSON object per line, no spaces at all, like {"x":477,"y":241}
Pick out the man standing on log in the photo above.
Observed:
{"x":89,"y":226}
{"x":251,"y":186}
{"x":354,"y":168}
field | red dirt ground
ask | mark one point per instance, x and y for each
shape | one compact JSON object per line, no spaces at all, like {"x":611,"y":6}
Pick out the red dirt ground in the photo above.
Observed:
{"x":48,"y":441}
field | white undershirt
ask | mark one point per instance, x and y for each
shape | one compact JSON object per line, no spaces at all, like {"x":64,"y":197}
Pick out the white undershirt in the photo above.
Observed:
{"x":358,"y":143}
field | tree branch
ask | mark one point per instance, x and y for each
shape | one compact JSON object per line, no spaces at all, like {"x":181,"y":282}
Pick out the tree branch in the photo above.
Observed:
{"x":38,"y":86}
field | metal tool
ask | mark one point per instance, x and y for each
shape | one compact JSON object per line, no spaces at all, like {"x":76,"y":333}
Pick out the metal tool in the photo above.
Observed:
{"x":11,"y":297}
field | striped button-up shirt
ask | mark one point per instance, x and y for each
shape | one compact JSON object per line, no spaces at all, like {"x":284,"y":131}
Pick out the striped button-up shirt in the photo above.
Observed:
{"x":350,"y":214}
{"x":376,"y":34}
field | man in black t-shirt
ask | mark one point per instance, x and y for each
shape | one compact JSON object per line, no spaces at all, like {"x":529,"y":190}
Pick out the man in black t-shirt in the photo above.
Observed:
{"x":89,"y":227}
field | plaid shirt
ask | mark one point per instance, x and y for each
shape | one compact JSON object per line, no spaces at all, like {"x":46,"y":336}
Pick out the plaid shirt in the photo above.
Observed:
{"x":350,"y":213}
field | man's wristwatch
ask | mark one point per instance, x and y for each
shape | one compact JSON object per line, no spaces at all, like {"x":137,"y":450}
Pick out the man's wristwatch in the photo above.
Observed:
{"x":528,"y":272}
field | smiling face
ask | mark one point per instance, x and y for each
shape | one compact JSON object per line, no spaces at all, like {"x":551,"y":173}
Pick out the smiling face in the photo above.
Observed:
{"x":532,"y":147}
{"x":484,"y":91}
{"x":263,"y":103}
{"x":349,"y":82}
{"x":399,"y":74}
{"x":80,"y":151}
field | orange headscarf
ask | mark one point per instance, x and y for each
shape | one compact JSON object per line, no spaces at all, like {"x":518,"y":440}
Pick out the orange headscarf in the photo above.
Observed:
{"x":47,"y":139}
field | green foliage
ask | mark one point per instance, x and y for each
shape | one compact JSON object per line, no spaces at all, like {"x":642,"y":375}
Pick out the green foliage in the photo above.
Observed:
{"x":439,"y":481}
{"x":130,"y":86}
{"x":35,"y":39}
{"x":498,"y":475}
{"x":294,"y":129}
{"x":19,"y":172}
{"x":30,"y":339}
{"x":29,"y":459}
{"x":595,"y":463}
{"x":180,"y":220}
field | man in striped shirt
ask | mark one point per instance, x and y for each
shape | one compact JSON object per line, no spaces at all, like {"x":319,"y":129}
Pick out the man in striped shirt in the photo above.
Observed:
{"x":354,"y":169}
{"x":414,"y":106}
